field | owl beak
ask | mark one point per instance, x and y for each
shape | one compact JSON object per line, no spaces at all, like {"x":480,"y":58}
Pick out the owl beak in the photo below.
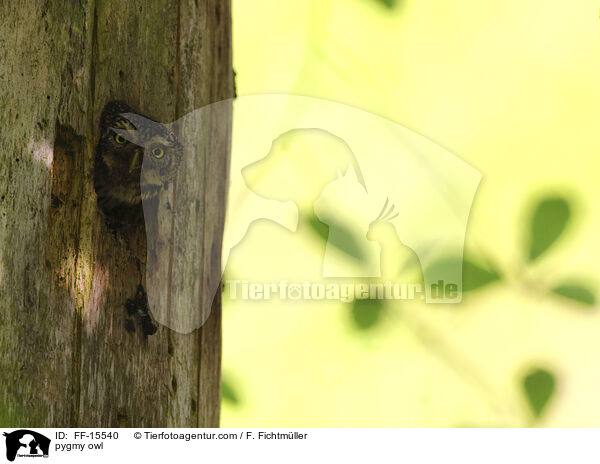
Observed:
{"x":135,"y":162}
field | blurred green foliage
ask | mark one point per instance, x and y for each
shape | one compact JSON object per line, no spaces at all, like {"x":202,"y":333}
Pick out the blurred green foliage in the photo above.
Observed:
{"x":474,"y":275}
{"x":576,"y":292}
{"x":343,"y":240}
{"x":538,"y":385}
{"x":485,"y":80}
{"x":390,"y":4}
{"x":548,"y":222}
{"x":229,"y":393}
{"x":366,"y":314}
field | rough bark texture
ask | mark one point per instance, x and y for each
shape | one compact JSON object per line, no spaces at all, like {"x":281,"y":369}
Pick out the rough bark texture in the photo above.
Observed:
{"x":65,"y":356}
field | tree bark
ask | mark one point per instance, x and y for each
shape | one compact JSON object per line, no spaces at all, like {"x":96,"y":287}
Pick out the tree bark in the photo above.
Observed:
{"x":65,"y":356}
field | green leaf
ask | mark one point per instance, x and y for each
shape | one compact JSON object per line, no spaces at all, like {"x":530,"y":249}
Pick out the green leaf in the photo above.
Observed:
{"x":229,"y":393}
{"x":390,"y":4}
{"x":322,"y":230}
{"x":366,"y":313}
{"x":576,"y":292}
{"x":474,"y":276}
{"x":549,"y":220}
{"x":343,"y":239}
{"x":445,"y":269}
{"x":538,"y":385}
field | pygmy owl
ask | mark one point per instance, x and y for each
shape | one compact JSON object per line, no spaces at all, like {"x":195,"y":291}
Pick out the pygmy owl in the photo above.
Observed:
{"x":135,"y":158}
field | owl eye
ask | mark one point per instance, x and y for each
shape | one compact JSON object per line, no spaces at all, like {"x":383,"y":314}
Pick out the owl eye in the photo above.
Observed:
{"x":120,"y":139}
{"x":158,"y":152}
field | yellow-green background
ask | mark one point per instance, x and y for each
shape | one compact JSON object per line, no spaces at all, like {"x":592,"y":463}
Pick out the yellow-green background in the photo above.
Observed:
{"x":513,"y":88}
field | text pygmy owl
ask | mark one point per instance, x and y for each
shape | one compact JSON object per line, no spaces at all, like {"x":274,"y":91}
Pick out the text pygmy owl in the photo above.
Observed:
{"x":135,"y":157}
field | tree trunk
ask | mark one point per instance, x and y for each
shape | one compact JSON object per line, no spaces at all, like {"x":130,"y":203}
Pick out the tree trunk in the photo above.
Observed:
{"x":65,"y":356}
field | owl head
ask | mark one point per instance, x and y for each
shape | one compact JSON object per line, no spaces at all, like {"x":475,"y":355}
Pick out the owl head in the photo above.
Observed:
{"x":138,"y":152}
